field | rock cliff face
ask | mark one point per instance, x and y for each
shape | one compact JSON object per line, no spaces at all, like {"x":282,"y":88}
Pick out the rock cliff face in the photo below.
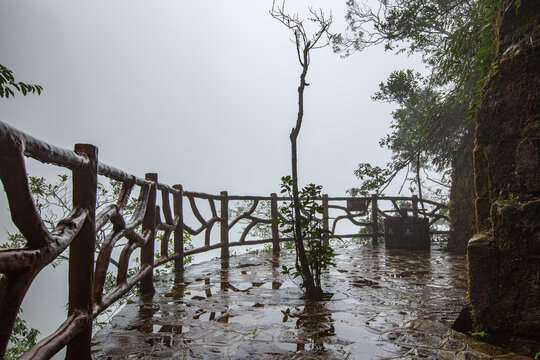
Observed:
{"x":462,"y":219}
{"x":504,"y":258}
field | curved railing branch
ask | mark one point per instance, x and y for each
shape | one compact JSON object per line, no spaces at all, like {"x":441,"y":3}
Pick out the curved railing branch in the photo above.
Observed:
{"x":164,"y":250}
{"x":103,"y":261}
{"x":246,"y":231}
{"x":49,"y":346}
{"x":106,"y":215}
{"x":19,"y":259}
{"x":122,"y":289}
{"x":21,"y":203}
{"x":195,"y":210}
{"x":166,"y":207}
{"x":119,"y":175}
{"x":40,"y":150}
{"x":200,"y":195}
{"x":246,"y":214}
{"x":350,"y":218}
{"x":210,"y":222}
{"x":64,"y":233}
{"x":140,"y":209}
{"x":123,"y":262}
{"x":125,"y":192}
{"x":212,"y":205}
{"x":18,"y":267}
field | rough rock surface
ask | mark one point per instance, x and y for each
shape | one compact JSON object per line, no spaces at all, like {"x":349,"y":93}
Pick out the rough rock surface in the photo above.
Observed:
{"x":504,"y":259}
{"x":462,"y":219}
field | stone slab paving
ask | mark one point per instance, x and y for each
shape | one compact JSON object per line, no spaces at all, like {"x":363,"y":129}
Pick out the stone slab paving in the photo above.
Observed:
{"x":386,"y":304}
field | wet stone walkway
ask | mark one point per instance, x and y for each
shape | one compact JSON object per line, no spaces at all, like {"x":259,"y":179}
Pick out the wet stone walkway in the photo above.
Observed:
{"x":386,"y":304}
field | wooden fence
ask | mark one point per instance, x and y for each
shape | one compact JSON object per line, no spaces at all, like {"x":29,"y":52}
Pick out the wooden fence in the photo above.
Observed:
{"x":159,"y":208}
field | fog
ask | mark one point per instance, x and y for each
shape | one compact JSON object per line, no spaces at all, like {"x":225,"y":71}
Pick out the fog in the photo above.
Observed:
{"x":203,"y":93}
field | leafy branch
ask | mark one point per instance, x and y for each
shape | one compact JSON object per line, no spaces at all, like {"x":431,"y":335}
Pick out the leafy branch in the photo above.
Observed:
{"x":8,"y":85}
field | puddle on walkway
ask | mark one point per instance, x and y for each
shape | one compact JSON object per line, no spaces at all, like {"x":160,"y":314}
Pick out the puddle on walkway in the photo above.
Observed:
{"x":386,"y":304}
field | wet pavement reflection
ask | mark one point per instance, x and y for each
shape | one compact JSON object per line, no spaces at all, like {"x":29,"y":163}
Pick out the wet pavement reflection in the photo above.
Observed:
{"x":385,"y":304}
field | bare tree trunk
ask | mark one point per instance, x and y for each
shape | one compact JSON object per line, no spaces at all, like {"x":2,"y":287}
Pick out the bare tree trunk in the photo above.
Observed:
{"x":312,"y":292}
{"x":303,"y":46}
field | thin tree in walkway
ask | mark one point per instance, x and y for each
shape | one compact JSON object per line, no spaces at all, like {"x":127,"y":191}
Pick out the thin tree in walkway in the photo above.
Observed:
{"x":304,"y":44}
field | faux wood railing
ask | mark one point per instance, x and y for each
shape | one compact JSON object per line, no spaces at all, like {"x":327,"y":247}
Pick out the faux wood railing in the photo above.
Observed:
{"x":87,"y":275}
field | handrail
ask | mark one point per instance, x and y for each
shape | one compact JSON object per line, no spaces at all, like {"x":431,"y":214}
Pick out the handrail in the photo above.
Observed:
{"x":87,"y":299}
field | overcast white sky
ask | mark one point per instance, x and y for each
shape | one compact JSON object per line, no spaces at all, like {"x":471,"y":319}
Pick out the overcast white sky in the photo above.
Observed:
{"x":202,"y":92}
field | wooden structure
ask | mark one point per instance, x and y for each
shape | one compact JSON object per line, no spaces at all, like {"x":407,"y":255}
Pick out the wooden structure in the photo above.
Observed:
{"x":406,"y":233}
{"x":153,"y":213}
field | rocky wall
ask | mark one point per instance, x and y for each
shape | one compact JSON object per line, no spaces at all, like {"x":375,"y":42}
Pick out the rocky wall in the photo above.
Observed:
{"x":504,"y":258}
{"x":462,"y":218}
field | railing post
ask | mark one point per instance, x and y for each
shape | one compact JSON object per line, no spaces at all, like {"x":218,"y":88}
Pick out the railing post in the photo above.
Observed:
{"x":224,"y":225}
{"x":81,"y":252}
{"x":415,"y":206}
{"x":275,"y":229}
{"x":149,"y":226}
{"x":179,"y":231}
{"x":374,"y":219}
{"x":326,"y":225}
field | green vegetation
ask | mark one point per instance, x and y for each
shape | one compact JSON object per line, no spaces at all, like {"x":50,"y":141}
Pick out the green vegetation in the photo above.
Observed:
{"x":513,"y":198}
{"x":22,"y":338}
{"x":318,"y":254}
{"x":8,"y":84}
{"x":480,"y":334}
{"x":433,"y":127}
{"x":432,"y":118}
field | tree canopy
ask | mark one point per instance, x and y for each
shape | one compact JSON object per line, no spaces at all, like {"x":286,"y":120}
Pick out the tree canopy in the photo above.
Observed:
{"x":435,"y":114}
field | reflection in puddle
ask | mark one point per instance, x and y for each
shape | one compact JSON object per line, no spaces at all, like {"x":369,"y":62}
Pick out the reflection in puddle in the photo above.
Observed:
{"x":168,"y":337}
{"x":175,"y":329}
{"x":224,"y":319}
{"x":247,"y":265}
{"x":221,"y":317}
{"x":315,"y":326}
{"x":361,"y":282}
{"x":226,"y":285}
{"x":179,"y":287}
{"x":376,"y":293}
{"x":147,"y":310}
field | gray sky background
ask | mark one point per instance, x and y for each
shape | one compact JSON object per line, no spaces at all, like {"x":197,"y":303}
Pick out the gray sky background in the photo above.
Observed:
{"x":202,"y":92}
